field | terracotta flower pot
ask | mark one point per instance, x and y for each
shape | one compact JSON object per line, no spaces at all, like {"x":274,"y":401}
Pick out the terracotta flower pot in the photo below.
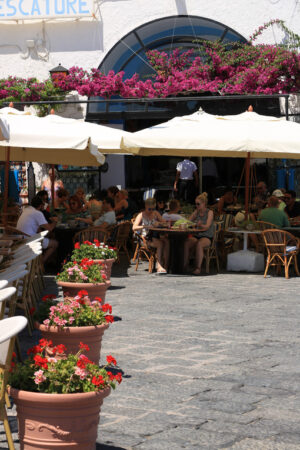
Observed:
{"x":58,"y":421}
{"x":94,"y":290}
{"x":107,"y":265}
{"x":72,"y":336}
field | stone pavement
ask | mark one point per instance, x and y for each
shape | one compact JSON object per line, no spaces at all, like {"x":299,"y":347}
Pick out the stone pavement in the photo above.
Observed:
{"x":209,"y":362}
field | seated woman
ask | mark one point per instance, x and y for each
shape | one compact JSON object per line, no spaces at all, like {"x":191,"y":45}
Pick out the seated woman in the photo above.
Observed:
{"x":81,"y":195}
{"x":125,"y":208}
{"x":94,"y":206}
{"x":75,"y":210}
{"x":61,"y":201}
{"x":228,"y":199}
{"x":172,"y":215}
{"x":203,"y":217}
{"x":150,"y":217}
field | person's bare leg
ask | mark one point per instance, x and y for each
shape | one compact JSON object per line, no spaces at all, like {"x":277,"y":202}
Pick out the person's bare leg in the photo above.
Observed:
{"x":201,"y":245}
{"x":158,"y":244}
{"x":188,"y":245}
{"x":53,"y":244}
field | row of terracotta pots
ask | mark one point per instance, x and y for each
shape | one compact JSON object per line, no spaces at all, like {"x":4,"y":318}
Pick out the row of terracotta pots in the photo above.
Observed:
{"x":62,"y":421}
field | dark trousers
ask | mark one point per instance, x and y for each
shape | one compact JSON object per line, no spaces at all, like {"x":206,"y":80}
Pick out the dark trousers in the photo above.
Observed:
{"x":186,"y":190}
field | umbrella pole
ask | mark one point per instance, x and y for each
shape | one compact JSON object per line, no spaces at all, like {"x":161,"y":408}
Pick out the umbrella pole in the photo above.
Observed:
{"x":6,"y":184}
{"x":247,"y":178}
{"x":52,"y":185}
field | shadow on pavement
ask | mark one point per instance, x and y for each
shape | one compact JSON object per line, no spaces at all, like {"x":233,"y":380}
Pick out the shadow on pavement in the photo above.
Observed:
{"x":108,"y":447}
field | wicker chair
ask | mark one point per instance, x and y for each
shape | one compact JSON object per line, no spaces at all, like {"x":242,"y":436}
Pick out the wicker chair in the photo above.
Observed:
{"x":258,"y":239}
{"x":120,"y":236}
{"x":211,"y":252}
{"x":144,"y":250}
{"x":282,"y":249}
{"x":91,"y":233}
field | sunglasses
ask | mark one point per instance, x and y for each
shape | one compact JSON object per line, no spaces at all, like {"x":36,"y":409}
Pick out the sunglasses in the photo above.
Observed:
{"x":151,"y":209}
{"x":197,"y":204}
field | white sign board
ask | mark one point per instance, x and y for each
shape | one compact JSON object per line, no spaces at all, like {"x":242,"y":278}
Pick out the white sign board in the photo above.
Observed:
{"x":44,"y":9}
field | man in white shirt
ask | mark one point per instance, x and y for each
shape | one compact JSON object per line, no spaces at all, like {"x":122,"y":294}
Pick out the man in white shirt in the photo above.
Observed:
{"x":109,"y":216}
{"x":186,"y":180}
{"x":32,"y":220}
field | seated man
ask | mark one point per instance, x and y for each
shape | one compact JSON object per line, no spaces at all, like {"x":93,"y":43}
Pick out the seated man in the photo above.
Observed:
{"x":172,"y":215}
{"x":274,"y":215}
{"x":109,"y":216}
{"x":32,"y":220}
{"x":292,"y":207}
{"x":107,"y":219}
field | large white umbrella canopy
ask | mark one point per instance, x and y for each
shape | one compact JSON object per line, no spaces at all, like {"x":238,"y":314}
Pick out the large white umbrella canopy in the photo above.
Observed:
{"x":56,"y":140}
{"x":202,"y":134}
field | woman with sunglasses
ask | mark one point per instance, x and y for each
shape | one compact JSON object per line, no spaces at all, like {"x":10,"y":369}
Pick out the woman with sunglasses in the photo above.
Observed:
{"x":204,"y":219}
{"x":145,"y":219}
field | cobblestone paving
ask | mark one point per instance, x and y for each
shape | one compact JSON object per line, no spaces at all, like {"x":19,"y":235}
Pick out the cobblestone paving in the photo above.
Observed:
{"x":209,"y":362}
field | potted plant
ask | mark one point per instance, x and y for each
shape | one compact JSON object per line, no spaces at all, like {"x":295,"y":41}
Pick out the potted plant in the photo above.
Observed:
{"x":84,"y":274}
{"x":97,"y":251}
{"x":74,"y":320}
{"x":58,"y":400}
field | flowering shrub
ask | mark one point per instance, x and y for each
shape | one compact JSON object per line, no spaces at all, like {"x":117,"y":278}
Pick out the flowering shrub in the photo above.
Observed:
{"x":79,"y":311}
{"x":216,"y":67}
{"x":48,"y":374}
{"x":30,"y":89}
{"x":95,"y":250}
{"x":85,"y":271}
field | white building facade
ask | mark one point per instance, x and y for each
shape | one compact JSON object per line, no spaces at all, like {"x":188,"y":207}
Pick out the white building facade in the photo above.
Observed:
{"x":81,"y":32}
{"x":37,"y":35}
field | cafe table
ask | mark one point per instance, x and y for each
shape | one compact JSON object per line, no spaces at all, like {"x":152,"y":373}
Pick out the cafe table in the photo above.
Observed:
{"x":245,"y":260}
{"x":177,"y":237}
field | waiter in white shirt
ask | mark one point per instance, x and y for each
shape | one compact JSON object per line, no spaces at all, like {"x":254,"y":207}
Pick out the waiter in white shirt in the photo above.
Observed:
{"x":186,"y":180}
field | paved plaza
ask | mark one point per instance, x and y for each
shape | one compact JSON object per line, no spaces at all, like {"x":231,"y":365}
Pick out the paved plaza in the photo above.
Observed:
{"x":209,"y":362}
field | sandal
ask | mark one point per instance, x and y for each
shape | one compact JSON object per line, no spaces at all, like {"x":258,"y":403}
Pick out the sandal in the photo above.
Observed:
{"x":161,"y":272}
{"x":197,"y":272}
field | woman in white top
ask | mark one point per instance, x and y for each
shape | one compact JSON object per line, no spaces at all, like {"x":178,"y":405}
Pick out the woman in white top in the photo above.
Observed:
{"x":147,"y":218}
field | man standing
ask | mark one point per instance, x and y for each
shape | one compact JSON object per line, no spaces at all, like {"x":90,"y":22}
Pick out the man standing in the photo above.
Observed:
{"x":32,"y":220}
{"x":186,"y":180}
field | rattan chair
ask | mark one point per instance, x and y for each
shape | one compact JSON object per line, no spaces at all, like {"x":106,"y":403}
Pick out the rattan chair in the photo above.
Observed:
{"x":211,"y":252}
{"x":120,"y":236}
{"x":282,"y":249}
{"x":144,"y":250}
{"x":91,"y":233}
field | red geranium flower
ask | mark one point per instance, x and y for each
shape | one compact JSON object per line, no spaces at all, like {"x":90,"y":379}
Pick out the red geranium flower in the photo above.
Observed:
{"x":118,"y":377}
{"x":77,"y":245}
{"x":107,"y":308}
{"x":97,"y":381}
{"x":40,"y":361}
{"x":84,"y":347}
{"x":82,"y":293}
{"x":109,"y":319}
{"x":111,"y":360}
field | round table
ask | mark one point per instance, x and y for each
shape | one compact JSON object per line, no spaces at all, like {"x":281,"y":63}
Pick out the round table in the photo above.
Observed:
{"x":245,"y":260}
{"x":177,"y":238}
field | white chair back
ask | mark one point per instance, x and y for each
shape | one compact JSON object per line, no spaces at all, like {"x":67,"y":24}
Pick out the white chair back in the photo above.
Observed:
{"x":6,"y":293}
{"x":9,"y":328}
{"x":3,"y":284}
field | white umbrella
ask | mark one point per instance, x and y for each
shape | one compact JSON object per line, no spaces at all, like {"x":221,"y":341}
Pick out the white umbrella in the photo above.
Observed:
{"x":202,"y":134}
{"x":53,"y":140}
{"x":56,"y":140}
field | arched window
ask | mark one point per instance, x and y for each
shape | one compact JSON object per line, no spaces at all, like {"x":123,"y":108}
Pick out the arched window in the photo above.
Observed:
{"x":166,"y":34}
